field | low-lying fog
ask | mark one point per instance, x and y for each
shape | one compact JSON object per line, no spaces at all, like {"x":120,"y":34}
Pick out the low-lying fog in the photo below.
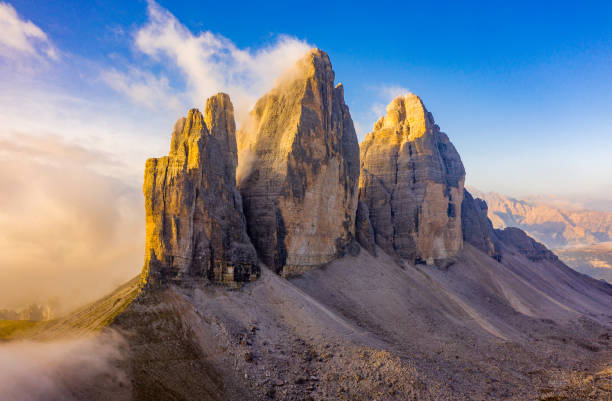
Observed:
{"x":63,"y":370}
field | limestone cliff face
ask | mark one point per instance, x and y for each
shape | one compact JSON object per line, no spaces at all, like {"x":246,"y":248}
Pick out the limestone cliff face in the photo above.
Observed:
{"x":412,"y":182}
{"x":299,"y":169}
{"x":194,"y":221}
{"x":477,"y":228}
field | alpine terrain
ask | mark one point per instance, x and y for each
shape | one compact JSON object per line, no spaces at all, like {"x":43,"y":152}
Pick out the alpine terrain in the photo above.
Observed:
{"x":286,"y":261}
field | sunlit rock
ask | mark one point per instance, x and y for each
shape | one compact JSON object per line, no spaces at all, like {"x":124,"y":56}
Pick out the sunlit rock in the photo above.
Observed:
{"x":412,"y":183}
{"x":194,"y":222}
{"x":299,"y":169}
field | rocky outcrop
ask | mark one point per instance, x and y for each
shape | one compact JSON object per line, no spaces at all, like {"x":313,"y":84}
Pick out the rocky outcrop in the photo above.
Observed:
{"x":412,"y":183}
{"x":476,"y":226}
{"x":194,"y":222}
{"x":526,"y":245}
{"x":299,"y":169}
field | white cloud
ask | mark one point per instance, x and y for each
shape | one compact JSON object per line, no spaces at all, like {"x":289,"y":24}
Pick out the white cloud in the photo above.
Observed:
{"x":385,"y":94}
{"x":143,"y":87}
{"x":210,"y":63}
{"x":19,"y":36}
{"x":390,"y":92}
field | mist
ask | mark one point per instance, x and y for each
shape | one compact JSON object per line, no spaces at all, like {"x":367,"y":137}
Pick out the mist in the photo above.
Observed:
{"x":72,"y":209}
{"x":207,"y":62}
{"x":74,"y":369}
{"x":69,"y":233}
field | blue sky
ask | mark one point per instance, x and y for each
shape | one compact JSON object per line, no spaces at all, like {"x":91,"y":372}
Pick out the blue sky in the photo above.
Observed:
{"x":524,"y":90}
{"x":90,"y":90}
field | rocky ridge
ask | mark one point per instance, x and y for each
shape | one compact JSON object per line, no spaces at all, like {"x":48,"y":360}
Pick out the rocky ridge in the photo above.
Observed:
{"x":503,"y":320}
{"x":307,"y":194}
{"x":477,"y":228}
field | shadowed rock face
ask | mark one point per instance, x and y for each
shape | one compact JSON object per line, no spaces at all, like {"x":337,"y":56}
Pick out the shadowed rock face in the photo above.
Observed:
{"x":194,"y":221}
{"x":526,"y":245}
{"x":412,"y":182}
{"x":476,"y":226}
{"x":363,"y":228}
{"x":299,"y":170}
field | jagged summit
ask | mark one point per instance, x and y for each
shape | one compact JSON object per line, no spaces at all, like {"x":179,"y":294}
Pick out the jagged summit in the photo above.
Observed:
{"x":219,"y":117}
{"x":412,"y":182}
{"x":408,"y":114}
{"x":300,"y":166}
{"x":194,"y":222}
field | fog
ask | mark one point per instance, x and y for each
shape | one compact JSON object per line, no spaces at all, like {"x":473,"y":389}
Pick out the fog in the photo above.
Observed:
{"x":71,"y":206}
{"x":63,"y":370}
{"x":69,"y":233}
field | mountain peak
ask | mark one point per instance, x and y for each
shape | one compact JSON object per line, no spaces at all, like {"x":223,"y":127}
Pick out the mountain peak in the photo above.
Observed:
{"x":314,"y":65}
{"x":317,"y":58}
{"x":187,"y":128}
{"x":407,"y":114}
{"x":300,"y":190}
{"x":219,"y":118}
{"x":412,"y":183}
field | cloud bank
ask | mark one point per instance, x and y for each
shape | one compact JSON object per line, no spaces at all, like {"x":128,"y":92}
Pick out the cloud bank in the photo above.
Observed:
{"x":69,"y":233}
{"x":63,"y":370}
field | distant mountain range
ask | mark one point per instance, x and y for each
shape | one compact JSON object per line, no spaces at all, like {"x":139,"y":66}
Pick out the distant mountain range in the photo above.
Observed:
{"x":581,"y":238}
{"x":552,"y":225}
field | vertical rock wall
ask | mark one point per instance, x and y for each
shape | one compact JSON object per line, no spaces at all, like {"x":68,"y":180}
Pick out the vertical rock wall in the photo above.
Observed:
{"x":299,"y":170}
{"x":194,"y":221}
{"x":412,"y":183}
